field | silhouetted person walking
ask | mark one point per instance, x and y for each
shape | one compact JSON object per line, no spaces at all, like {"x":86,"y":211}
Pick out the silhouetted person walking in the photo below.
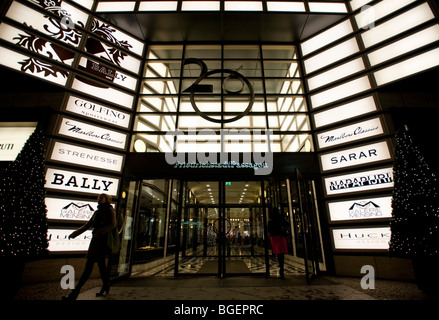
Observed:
{"x":103,"y":221}
{"x":278,"y":239}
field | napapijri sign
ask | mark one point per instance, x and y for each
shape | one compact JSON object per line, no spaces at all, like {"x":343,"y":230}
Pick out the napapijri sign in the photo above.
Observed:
{"x":361,"y":238}
{"x":69,"y":209}
{"x":358,"y":209}
{"x":351,"y":133}
{"x":59,"y":240}
{"x":80,"y":182}
{"x":355,"y":156}
{"x":87,"y":157}
{"x":99,"y":135}
{"x":98,"y":112}
{"x":359,"y":181}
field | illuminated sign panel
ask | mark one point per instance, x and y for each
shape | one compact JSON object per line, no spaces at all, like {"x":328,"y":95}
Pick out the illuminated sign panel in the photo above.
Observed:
{"x":59,"y":240}
{"x":74,"y":181}
{"x":376,"y":238}
{"x":351,"y":133}
{"x":81,"y":156}
{"x":70,"y":209}
{"x":36,"y":45}
{"x":31,"y":66}
{"x":98,"y":112}
{"x":12,"y":140}
{"x":103,"y":91}
{"x":359,"y":209}
{"x":116,"y":36}
{"x":48,"y":25}
{"x":108,"y":73}
{"x":359,"y":181}
{"x":99,"y":135}
{"x":344,"y":112}
{"x":355,"y":156}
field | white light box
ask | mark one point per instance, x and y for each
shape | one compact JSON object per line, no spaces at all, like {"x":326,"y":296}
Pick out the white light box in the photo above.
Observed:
{"x":354,"y":132}
{"x":86,"y":157}
{"x":96,"y":111}
{"x":359,"y":209}
{"x":74,"y":181}
{"x":91,"y":133}
{"x":375,"y":238}
{"x":59,"y":240}
{"x":359,"y":181}
{"x":362,"y":155}
{"x":70,"y":209}
{"x":13,"y":139}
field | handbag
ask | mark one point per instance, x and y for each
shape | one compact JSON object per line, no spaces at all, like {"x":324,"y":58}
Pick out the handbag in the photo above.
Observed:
{"x":113,"y":241}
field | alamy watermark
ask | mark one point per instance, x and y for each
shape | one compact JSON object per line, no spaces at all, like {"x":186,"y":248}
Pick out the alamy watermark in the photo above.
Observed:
{"x":368,"y":281}
{"x":68,"y":281}
{"x":260,"y":161}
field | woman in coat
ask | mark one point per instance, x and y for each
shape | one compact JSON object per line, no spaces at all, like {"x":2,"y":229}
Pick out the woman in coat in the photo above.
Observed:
{"x":278,"y":238}
{"x":103,"y":221}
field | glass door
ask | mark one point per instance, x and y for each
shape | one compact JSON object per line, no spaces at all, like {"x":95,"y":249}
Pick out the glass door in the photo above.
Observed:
{"x":222,"y":229}
{"x":308,"y":228}
{"x":245,"y":249}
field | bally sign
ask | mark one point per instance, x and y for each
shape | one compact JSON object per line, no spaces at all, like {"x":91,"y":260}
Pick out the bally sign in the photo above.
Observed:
{"x":357,"y":209}
{"x":362,"y":238}
{"x":99,"y":135}
{"x":365,"y":129}
{"x":86,"y":157}
{"x":80,"y":182}
{"x":68,"y":209}
{"x":59,"y":240}
{"x":360,"y":181}
{"x":356,"y":156}
{"x":12,"y":140}
{"x":98,"y":112}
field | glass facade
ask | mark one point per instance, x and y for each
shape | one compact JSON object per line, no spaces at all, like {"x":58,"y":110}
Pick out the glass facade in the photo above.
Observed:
{"x":269,"y":79}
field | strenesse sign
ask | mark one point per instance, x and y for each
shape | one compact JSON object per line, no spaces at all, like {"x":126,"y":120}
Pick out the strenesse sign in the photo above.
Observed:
{"x":87,"y":157}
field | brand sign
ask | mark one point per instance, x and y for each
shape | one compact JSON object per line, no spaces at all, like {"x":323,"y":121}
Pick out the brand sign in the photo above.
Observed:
{"x":69,"y":209}
{"x":80,"y":182}
{"x":358,"y":209}
{"x":99,"y":135}
{"x":360,"y":181}
{"x":355,"y":156}
{"x":376,"y":238}
{"x":108,"y":73}
{"x":354,"y":132}
{"x":104,"y":92}
{"x":59,"y":240}
{"x":12,"y":140}
{"x":86,"y":157}
{"x":98,"y":112}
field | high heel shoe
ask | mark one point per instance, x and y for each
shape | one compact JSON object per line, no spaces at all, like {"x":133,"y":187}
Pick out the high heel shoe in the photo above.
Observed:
{"x":105,"y":289}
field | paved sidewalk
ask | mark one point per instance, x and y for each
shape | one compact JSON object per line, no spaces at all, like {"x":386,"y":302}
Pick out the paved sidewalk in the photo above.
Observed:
{"x":254,"y":288}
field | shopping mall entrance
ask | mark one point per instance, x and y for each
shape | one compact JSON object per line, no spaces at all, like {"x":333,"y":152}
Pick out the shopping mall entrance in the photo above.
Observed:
{"x":220,"y":227}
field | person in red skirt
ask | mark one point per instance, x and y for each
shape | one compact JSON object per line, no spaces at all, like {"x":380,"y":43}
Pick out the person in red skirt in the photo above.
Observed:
{"x":278,"y":238}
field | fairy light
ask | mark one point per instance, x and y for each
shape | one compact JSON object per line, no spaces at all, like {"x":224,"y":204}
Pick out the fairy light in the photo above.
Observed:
{"x":415,"y":202}
{"x":23,"y":222}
